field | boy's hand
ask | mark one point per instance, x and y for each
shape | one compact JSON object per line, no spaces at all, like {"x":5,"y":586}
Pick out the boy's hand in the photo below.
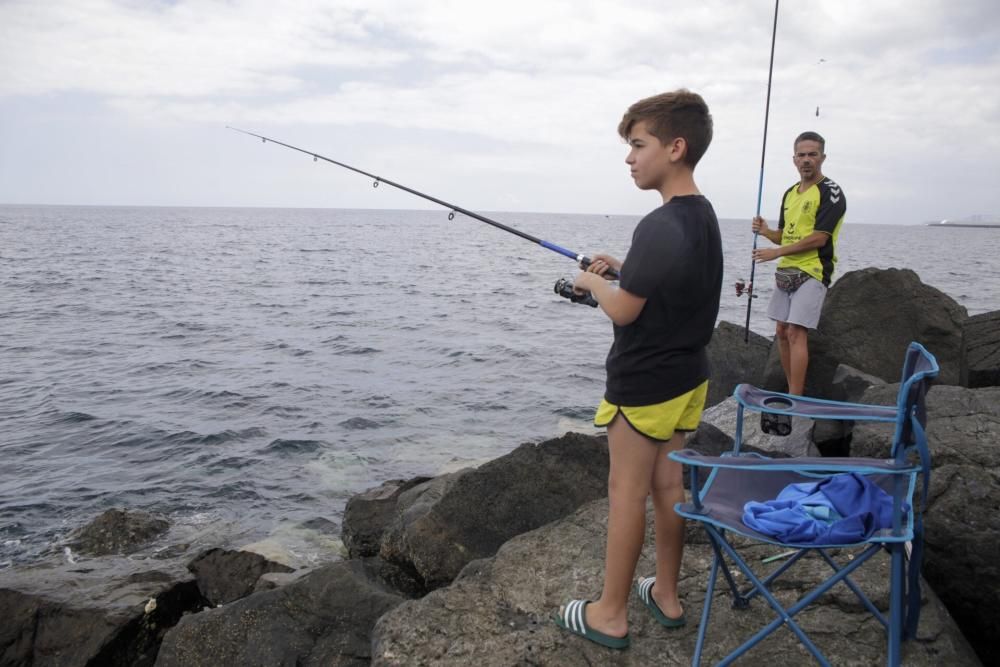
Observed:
{"x":585,"y":281}
{"x":600,"y":263}
{"x":759,"y":225}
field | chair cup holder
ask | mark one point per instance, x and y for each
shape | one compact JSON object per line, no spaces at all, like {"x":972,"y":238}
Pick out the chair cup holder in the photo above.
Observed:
{"x":773,"y":424}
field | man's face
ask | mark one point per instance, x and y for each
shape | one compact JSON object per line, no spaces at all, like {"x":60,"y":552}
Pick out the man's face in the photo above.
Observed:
{"x":808,"y":159}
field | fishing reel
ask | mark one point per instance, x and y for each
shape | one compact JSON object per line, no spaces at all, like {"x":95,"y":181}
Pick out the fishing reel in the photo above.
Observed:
{"x":742,"y":288}
{"x":564,"y":288}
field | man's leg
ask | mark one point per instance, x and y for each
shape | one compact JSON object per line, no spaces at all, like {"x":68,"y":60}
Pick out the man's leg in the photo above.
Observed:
{"x":633,"y":457}
{"x":668,"y":489}
{"x":797,"y":342}
{"x":784,"y":352}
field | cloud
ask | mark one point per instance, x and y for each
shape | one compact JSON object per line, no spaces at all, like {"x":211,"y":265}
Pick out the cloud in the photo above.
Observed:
{"x":185,"y":49}
{"x":535,"y":89}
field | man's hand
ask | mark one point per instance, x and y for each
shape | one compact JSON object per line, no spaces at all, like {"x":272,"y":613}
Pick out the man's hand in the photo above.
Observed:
{"x":766,"y":254}
{"x":759,"y":225}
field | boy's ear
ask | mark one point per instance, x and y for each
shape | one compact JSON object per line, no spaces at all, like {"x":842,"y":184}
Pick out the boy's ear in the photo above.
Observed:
{"x":678,"y":149}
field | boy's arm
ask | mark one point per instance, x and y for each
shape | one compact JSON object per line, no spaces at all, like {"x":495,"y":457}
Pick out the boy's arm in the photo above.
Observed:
{"x":620,"y":305}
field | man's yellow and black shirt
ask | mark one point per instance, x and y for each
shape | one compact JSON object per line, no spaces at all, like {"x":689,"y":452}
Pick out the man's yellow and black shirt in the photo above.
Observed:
{"x":820,"y":208}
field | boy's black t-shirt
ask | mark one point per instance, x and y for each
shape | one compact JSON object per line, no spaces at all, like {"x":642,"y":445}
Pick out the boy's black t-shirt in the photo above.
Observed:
{"x":675,"y":263}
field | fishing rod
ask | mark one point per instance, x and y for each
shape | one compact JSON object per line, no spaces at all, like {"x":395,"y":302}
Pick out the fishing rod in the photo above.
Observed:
{"x":561,"y":286}
{"x":760,"y":185}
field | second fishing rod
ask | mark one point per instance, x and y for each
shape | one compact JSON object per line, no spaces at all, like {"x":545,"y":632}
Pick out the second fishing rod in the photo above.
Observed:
{"x":563,"y":288}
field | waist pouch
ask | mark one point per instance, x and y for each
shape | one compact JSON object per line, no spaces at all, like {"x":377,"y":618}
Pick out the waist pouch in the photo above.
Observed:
{"x":789,"y":280}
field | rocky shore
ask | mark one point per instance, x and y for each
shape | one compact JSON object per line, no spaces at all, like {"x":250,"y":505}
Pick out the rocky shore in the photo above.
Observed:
{"x":468,"y":567}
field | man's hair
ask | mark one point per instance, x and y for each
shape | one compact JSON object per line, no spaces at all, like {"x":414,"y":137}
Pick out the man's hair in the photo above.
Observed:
{"x":679,"y":113}
{"x":811,"y":136}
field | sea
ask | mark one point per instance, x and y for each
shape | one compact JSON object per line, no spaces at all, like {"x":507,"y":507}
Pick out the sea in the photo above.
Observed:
{"x":245,"y":371}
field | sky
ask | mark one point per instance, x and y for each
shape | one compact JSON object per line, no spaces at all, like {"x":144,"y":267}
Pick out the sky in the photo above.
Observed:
{"x":493,"y":106}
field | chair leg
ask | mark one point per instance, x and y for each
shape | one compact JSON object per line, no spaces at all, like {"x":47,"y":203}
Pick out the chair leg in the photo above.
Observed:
{"x":895,"y":630}
{"x":872,"y":609}
{"x":740,"y":600}
{"x":706,"y":611}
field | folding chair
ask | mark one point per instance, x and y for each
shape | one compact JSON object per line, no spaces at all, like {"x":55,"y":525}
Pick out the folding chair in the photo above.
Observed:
{"x":736,"y":478}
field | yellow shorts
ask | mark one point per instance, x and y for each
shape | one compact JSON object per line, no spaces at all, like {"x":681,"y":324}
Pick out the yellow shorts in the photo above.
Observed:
{"x":660,"y":420}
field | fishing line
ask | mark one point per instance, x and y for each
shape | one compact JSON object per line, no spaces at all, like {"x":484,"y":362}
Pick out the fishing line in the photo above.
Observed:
{"x":760,"y":184}
{"x":582,"y":260}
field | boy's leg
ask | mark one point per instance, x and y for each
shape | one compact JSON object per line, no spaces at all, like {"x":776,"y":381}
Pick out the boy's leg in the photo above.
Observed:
{"x":633,"y":457}
{"x":668,"y":489}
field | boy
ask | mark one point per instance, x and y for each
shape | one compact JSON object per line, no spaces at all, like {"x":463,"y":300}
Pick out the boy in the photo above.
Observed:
{"x":664,"y":313}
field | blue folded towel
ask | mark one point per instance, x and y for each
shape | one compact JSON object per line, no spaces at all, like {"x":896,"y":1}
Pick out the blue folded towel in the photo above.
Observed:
{"x":842,"y":509}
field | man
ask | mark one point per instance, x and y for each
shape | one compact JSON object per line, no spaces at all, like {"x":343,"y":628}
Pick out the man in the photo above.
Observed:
{"x":812,"y":212}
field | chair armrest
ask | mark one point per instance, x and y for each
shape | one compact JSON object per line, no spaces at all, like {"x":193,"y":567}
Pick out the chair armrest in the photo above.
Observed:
{"x":760,"y":400}
{"x":755,"y":462}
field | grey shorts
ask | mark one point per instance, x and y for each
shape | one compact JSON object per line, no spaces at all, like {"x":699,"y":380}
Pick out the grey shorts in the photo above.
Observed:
{"x":800,"y":307}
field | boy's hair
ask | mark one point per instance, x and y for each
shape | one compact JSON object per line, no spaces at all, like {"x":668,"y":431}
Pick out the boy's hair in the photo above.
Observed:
{"x":811,"y":136}
{"x":679,"y":113}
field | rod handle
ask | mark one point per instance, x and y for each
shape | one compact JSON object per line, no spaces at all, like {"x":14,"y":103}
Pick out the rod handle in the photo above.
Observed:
{"x":610,"y":274}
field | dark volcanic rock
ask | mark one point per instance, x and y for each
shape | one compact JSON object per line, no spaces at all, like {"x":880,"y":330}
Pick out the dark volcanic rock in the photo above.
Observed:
{"x":963,"y":517}
{"x":869,"y":317}
{"x":118,"y":532}
{"x":710,"y":440}
{"x":106,"y":614}
{"x":325,"y":618}
{"x":224,"y":576}
{"x":498,"y":611}
{"x":733,"y":361}
{"x":442,"y":525}
{"x":849,"y":384}
{"x":981,"y":351}
{"x":367,"y":515}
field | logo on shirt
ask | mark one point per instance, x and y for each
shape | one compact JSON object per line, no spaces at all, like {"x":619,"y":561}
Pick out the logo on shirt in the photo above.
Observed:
{"x":834,"y":191}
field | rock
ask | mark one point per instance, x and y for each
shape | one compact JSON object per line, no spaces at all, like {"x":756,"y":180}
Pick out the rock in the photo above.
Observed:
{"x":797,"y":443}
{"x":324,"y":618}
{"x":868,"y":319}
{"x":710,"y":440}
{"x":849,"y":383}
{"x":224,"y":576}
{"x":320,"y":525}
{"x":434,"y":533}
{"x":733,"y":360}
{"x":118,"y":532}
{"x":107,"y":613}
{"x":367,"y":514}
{"x":497,"y":612}
{"x":962,"y":521}
{"x":833,"y":437}
{"x":981,"y":351}
{"x":271,"y":580}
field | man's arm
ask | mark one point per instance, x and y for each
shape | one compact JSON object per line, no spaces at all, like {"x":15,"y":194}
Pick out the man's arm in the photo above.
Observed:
{"x":814,"y":240}
{"x":760,"y":226}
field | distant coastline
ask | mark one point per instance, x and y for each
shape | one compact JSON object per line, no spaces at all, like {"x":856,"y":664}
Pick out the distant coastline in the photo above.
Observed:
{"x":992,"y":222}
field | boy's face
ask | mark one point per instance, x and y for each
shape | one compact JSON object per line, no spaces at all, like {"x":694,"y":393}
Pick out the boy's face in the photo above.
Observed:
{"x":648,"y":160}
